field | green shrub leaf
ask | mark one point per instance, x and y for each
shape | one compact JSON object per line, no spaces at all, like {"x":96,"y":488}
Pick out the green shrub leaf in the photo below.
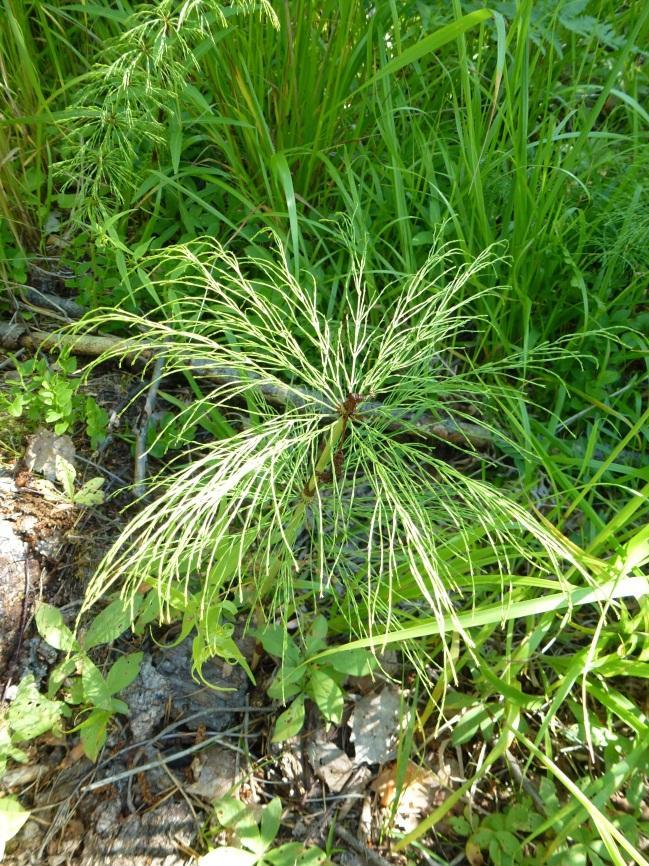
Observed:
{"x":290,"y":722}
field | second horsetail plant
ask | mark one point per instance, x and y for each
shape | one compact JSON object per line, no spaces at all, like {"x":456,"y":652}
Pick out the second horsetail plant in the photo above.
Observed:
{"x":344,"y":493}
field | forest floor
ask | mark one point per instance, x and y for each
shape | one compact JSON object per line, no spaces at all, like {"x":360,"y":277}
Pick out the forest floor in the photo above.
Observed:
{"x":148,"y":797}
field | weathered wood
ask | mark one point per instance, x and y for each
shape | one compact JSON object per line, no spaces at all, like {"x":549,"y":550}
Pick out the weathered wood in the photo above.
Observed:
{"x":449,"y":430}
{"x":19,"y":336}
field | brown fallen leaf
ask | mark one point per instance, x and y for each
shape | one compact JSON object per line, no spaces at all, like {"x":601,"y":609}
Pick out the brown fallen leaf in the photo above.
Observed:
{"x":473,"y":853}
{"x":421,"y":791}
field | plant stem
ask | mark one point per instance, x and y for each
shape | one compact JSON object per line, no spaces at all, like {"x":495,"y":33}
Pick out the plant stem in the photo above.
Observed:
{"x":334,"y":433}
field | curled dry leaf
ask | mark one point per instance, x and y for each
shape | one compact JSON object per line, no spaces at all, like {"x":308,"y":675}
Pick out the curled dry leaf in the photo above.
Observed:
{"x":421,"y":791}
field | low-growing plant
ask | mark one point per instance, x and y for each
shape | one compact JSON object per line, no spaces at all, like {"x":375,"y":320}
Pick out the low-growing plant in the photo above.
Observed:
{"x":76,"y":688}
{"x":297,"y":679}
{"x":85,"y":690}
{"x":500,"y":835}
{"x":77,"y":692}
{"x":89,"y":493}
{"x":253,"y":839}
{"x":45,"y":392}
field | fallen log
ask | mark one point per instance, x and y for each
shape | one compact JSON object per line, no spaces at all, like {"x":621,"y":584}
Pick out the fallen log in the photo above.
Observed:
{"x":14,"y":336}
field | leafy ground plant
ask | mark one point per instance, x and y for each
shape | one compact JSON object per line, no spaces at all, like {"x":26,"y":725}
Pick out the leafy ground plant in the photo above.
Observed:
{"x":254,"y":839}
{"x":45,"y":392}
{"x":298,"y":680}
{"x":77,"y":690}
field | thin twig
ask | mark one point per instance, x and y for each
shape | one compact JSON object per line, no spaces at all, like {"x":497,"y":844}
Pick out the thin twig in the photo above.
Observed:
{"x":167,"y":759}
{"x":141,"y":451}
{"x":365,"y":852}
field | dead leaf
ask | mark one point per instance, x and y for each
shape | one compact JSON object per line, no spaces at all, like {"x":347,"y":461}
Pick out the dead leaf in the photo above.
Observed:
{"x":421,"y":791}
{"x":473,"y":853}
{"x":42,"y":450}
{"x":331,"y":765}
{"x":375,"y":727}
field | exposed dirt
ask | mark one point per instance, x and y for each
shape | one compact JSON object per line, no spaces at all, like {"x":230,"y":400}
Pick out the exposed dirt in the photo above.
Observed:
{"x":148,"y":798}
{"x":32,"y":529}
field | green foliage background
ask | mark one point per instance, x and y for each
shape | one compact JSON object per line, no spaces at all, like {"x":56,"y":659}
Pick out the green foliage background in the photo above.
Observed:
{"x":363,"y":136}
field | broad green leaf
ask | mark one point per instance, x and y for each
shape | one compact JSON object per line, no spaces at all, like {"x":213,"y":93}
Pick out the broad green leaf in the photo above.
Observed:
{"x":149,"y":612}
{"x":12,"y":818}
{"x":290,"y":722}
{"x":354,"y":663}
{"x":286,"y":684}
{"x":277,"y":642}
{"x":311,"y":857}
{"x":53,"y":630}
{"x":295,"y":854}
{"x":508,"y":842}
{"x":232,"y":812}
{"x":113,"y":621}
{"x":16,"y":407}
{"x":271,"y":818}
{"x":59,"y":674}
{"x":90,"y":493}
{"x":118,"y":706}
{"x":31,"y":713}
{"x":327,"y":694}
{"x":95,"y":689}
{"x":7,"y":749}
{"x":495,"y":853}
{"x":316,"y":636}
{"x":93,"y":733}
{"x":123,"y":672}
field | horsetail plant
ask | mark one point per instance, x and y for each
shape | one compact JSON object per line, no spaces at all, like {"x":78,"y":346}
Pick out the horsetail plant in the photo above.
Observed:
{"x":342,"y":496}
{"x":131,"y":97}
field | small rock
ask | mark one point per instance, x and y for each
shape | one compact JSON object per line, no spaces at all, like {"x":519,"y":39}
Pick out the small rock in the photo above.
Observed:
{"x":147,"y":698}
{"x":217,"y":773}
